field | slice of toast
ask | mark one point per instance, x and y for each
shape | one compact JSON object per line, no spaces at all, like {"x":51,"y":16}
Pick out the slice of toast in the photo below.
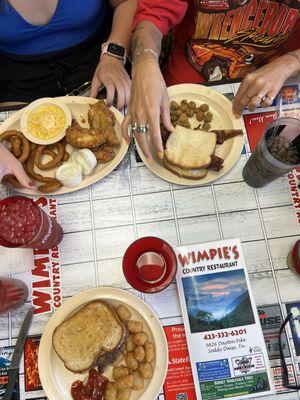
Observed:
{"x":88,"y":335}
{"x":186,"y":173}
{"x":190,"y":149}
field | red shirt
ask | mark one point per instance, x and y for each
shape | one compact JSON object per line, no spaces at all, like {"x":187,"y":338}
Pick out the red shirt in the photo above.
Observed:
{"x":222,"y":39}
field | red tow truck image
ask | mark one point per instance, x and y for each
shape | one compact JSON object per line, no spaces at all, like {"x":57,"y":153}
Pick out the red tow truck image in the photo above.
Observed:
{"x":220,"y":62}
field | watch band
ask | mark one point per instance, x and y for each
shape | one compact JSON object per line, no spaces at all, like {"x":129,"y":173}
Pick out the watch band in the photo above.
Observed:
{"x":105,"y":50}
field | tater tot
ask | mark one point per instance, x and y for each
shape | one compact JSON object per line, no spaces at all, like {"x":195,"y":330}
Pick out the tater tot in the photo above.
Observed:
{"x":192,"y":105}
{"x":134,"y":326}
{"x":146,"y":370}
{"x":139,"y":353}
{"x":177,"y":113}
{"x":125,"y":382}
{"x":183,"y":117}
{"x":138,"y":381}
{"x":124,"y":394}
{"x":119,"y":372}
{"x":130,"y":343}
{"x":200,"y":115}
{"x":190,"y":112}
{"x":149,"y":351}
{"x":123,"y":313}
{"x":174,"y":105}
{"x":183,"y":106}
{"x":204,"y":107}
{"x":208,"y":117}
{"x":206,"y":126}
{"x":111,"y":391}
{"x":140,"y":338}
{"x":131,"y":361}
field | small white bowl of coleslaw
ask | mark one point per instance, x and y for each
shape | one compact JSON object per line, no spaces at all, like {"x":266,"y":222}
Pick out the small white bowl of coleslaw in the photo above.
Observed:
{"x":45,"y":121}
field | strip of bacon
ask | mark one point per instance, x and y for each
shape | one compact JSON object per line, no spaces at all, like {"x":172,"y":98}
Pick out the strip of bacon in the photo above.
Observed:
{"x":223,"y":135}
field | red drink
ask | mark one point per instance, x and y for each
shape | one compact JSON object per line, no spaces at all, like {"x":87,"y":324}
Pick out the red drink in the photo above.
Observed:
{"x":293,"y":258}
{"x":24,"y":224}
{"x":13,"y":294}
{"x":151,"y":267}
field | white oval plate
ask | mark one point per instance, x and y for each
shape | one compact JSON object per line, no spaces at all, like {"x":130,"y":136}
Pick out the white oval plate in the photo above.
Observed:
{"x":223,"y":118}
{"x":57,"y":380}
{"x":79,"y":107}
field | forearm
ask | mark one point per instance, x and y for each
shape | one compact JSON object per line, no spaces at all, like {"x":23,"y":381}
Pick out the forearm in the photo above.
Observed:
{"x":146,"y":36}
{"x":293,"y":62}
{"x":122,"y":22}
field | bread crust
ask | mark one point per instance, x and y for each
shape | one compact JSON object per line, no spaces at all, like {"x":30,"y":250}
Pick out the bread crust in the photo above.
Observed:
{"x":183,"y":174}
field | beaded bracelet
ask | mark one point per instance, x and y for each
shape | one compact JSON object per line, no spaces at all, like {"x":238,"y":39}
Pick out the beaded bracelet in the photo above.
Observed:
{"x":294,"y":54}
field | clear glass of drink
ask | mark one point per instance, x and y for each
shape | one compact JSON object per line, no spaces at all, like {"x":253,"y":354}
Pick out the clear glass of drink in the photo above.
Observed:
{"x":277,"y":153}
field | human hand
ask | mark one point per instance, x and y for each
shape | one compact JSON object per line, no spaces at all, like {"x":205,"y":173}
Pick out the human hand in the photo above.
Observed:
{"x":10,"y":165}
{"x":111,"y":73}
{"x":149,"y":101}
{"x":261,"y":86}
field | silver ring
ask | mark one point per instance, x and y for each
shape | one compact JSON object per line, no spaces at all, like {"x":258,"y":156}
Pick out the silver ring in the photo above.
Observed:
{"x":261,"y":96}
{"x":270,"y":97}
{"x":134,"y":128}
{"x":143,"y":128}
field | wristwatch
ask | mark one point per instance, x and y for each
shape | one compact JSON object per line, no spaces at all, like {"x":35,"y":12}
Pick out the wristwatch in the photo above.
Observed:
{"x":114,"y":50}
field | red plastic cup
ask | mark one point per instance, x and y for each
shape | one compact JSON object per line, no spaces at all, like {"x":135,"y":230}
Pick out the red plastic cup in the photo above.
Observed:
{"x":149,"y":264}
{"x":293,"y":258}
{"x":13,"y":294}
{"x":151,"y":267}
{"x":24,"y":224}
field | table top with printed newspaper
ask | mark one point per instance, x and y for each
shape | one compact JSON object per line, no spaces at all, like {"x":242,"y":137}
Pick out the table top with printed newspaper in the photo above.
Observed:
{"x":102,"y":220}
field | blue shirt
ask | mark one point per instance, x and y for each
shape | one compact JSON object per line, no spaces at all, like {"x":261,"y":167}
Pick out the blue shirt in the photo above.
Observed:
{"x":73,"y":22}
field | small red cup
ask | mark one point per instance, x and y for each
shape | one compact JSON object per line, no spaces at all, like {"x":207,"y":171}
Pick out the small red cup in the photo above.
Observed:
{"x":149,"y":264}
{"x":293,"y":258}
{"x":24,"y":224}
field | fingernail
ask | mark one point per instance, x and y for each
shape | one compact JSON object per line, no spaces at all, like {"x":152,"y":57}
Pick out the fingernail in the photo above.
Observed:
{"x":32,"y":184}
{"x":149,"y":159}
{"x":160,"y":154}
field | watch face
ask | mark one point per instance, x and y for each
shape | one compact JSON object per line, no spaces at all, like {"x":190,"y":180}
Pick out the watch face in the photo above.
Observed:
{"x":116,"y":49}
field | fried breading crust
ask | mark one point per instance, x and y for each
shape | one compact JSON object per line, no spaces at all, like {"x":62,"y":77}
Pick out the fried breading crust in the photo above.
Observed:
{"x":83,"y":137}
{"x":102,"y":119}
{"x":104,"y":153}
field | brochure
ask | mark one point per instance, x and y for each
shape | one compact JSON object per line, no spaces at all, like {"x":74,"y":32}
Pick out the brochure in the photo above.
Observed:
{"x":225,"y":340}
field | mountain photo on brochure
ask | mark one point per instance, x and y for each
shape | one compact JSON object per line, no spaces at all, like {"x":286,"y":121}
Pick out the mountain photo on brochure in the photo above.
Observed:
{"x":217,"y":301}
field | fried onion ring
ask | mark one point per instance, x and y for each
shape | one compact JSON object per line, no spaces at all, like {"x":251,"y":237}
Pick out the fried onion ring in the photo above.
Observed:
{"x":57,"y":158}
{"x":50,"y":187}
{"x":16,"y":147}
{"x":35,"y":175}
{"x":9,"y":135}
{"x":66,"y":156}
